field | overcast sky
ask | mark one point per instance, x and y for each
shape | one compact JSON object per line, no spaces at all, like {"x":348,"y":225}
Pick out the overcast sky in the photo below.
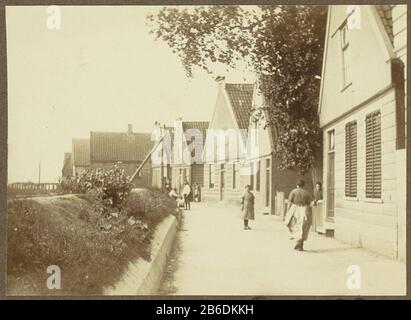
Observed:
{"x":99,"y":72}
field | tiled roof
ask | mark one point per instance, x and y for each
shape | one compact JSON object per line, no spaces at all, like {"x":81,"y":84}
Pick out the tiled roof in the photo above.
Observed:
{"x":200,"y":125}
{"x":119,"y":146}
{"x":81,"y":152}
{"x":385,"y":13}
{"x":241,"y":98}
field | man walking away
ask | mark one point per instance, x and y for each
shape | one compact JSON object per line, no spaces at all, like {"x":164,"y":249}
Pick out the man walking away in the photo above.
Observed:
{"x":298,"y":218}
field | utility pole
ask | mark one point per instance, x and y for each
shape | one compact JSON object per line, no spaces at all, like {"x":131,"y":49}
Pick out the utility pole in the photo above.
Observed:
{"x":39,"y":171}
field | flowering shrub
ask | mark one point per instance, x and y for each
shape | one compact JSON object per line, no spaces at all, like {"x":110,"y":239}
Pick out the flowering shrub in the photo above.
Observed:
{"x":111,"y":186}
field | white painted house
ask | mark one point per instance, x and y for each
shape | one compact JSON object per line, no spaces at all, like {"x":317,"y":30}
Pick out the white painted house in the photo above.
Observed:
{"x":362,"y":114}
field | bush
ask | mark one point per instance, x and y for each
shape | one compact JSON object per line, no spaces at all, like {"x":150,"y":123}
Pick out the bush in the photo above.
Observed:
{"x":151,"y":205}
{"x":111,"y":186}
{"x":92,"y":250}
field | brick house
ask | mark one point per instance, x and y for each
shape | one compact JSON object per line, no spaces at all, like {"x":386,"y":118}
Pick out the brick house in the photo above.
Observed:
{"x":127,"y":148}
{"x":80,"y":155}
{"x":362,"y":115}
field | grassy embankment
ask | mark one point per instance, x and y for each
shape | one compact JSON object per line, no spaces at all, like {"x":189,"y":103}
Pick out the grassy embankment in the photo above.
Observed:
{"x":92,"y":251}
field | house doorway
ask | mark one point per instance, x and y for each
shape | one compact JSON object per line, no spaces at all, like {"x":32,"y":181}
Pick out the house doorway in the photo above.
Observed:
{"x":331,"y":177}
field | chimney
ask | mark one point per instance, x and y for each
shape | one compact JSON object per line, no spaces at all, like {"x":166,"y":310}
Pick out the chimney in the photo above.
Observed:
{"x":130,"y":128}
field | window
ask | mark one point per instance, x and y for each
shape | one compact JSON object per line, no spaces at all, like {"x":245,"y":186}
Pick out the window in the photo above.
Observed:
{"x":211,"y":170}
{"x":331,"y":140}
{"x":257,"y":176}
{"x":351,"y":159}
{"x":345,"y":55}
{"x":373,"y":155}
{"x":222,"y":176}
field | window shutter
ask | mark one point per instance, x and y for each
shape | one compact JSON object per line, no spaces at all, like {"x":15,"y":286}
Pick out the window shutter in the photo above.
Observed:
{"x":373,"y":155}
{"x":351,"y":159}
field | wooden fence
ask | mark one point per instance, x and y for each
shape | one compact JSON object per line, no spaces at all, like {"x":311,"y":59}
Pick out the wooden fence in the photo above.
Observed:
{"x":32,"y":189}
{"x":280,"y":204}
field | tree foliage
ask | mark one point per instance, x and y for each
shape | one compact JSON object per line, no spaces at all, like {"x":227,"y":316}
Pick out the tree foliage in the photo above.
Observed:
{"x":283,"y":45}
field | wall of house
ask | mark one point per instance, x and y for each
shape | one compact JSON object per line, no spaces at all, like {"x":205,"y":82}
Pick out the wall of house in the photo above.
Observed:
{"x":78,"y":170}
{"x":281,"y":182}
{"x":230,"y":195}
{"x":156,"y":180}
{"x":222,"y":117}
{"x":370,"y":223}
{"x":399,"y":16}
{"x":366,"y":58}
{"x":260,"y":194}
{"x":179,"y":174}
{"x":197,"y":174}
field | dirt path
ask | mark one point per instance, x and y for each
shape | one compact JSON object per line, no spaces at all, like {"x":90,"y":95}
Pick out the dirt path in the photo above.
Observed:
{"x":213,"y":255}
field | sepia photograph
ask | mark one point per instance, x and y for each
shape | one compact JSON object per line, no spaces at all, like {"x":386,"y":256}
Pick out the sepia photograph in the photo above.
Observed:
{"x":206,"y":151}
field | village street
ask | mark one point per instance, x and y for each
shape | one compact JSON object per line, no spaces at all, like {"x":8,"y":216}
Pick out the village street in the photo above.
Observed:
{"x":213,"y":255}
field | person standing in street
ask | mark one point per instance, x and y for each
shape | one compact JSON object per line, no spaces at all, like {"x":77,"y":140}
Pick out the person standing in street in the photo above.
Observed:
{"x":167,"y":186}
{"x":318,"y":192}
{"x":298,"y":218}
{"x":187,"y":194}
{"x":173,"y":194}
{"x":197,"y":191}
{"x":247,"y":207}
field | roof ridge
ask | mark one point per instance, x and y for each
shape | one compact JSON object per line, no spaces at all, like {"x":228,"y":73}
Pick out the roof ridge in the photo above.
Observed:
{"x":119,"y":132}
{"x":385,"y":13}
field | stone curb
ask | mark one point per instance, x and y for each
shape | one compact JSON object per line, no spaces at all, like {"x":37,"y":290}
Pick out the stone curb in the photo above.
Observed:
{"x":143,"y":277}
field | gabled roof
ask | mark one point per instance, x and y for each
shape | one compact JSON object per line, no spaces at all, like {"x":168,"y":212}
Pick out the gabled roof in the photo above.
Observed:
{"x":119,"y":146}
{"x":186,"y":125}
{"x":241,"y":98}
{"x":200,"y":125}
{"x":381,"y":22}
{"x":81,"y":152}
{"x":385,"y":13}
{"x":264,"y":115}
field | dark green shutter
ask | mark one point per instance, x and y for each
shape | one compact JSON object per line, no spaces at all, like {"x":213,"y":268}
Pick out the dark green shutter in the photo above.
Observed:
{"x":351,"y":159}
{"x":373,"y":155}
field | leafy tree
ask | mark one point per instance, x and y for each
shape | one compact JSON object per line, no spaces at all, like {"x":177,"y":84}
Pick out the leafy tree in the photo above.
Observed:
{"x":283,"y":45}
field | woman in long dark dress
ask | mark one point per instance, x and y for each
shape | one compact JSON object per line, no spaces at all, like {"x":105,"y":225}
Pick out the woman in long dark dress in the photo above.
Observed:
{"x":247,"y":207}
{"x":318,"y":192}
{"x":298,"y":218}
